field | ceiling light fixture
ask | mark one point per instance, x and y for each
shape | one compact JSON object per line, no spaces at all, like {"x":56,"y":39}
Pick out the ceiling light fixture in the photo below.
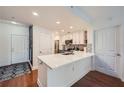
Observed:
{"x":71,"y":27}
{"x":35,"y":14}
{"x":13,"y":22}
{"x":58,"y":22}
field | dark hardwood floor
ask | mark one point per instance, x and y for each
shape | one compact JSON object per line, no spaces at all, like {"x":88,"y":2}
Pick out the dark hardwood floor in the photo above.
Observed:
{"x":28,"y":80}
{"x":97,"y":79}
{"x":92,"y":79}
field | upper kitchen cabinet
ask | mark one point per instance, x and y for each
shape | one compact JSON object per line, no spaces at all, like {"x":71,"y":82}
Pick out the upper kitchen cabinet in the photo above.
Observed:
{"x":78,"y":37}
{"x":81,"y":37}
{"x":63,"y":40}
{"x":68,"y":36}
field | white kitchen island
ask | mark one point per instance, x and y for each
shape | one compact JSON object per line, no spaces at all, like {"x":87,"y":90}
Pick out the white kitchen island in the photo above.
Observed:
{"x":57,"y":70}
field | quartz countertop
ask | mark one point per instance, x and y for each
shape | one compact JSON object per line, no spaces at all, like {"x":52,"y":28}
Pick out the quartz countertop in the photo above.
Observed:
{"x":57,"y":60}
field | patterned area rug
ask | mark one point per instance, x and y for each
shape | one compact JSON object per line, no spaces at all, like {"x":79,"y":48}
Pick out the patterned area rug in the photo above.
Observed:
{"x":15,"y":70}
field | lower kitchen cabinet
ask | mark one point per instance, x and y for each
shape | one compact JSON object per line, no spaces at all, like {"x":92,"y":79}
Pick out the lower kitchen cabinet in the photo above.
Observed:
{"x":65,"y":75}
{"x":82,"y":67}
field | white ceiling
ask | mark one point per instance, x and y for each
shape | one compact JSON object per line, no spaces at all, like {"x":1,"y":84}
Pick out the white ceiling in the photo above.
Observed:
{"x":48,"y":15}
{"x":102,"y":13}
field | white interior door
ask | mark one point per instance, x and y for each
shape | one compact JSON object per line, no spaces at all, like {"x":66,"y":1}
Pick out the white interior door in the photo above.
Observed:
{"x":45,"y":44}
{"x":5,"y":48}
{"x":19,"y":49}
{"x":107,"y":52}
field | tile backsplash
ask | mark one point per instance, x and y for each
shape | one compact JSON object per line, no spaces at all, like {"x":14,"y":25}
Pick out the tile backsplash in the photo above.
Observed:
{"x":77,"y":47}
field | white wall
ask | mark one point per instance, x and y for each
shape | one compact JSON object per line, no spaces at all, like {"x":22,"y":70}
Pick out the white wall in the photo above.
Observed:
{"x":6,"y":31}
{"x":90,"y":37}
{"x":106,"y":23}
{"x":36,"y":43}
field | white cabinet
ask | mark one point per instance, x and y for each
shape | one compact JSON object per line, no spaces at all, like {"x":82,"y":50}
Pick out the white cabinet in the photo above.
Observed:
{"x":77,"y":37}
{"x":74,"y":38}
{"x":82,"y":67}
{"x":70,"y":36}
{"x":62,"y":76}
{"x":63,"y":40}
{"x":66,"y":37}
{"x":65,"y":75}
{"x":81,"y":37}
{"x":42,"y":75}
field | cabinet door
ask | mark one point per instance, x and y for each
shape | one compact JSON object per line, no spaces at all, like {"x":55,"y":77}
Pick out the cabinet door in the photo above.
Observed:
{"x":61,"y":77}
{"x":19,"y":49}
{"x":82,"y":67}
{"x":81,"y":37}
{"x":66,"y":37}
{"x":42,"y":75}
{"x":63,"y":40}
{"x":70,"y":36}
{"x":75,"y":38}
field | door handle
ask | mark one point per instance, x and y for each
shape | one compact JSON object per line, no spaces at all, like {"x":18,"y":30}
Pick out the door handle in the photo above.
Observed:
{"x":118,"y":54}
{"x":40,"y":51}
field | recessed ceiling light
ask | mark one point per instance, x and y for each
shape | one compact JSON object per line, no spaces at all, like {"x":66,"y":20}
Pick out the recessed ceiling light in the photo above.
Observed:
{"x":71,"y":27}
{"x":58,"y":22}
{"x":62,"y":31}
{"x":57,"y":33}
{"x":35,"y":14}
{"x":13,"y":22}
